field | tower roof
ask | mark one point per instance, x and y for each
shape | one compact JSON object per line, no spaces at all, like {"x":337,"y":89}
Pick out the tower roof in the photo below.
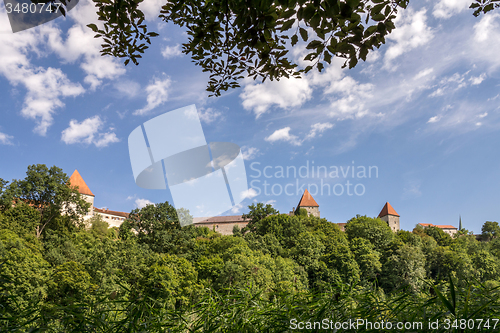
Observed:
{"x":387,"y":210}
{"x":307,"y":200}
{"x":77,"y":180}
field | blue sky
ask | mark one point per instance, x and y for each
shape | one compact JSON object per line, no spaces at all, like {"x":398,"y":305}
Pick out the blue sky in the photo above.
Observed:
{"x":422,"y":111}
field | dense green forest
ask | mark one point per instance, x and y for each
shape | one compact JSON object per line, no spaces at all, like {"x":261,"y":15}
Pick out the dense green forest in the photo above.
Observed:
{"x":281,"y":273}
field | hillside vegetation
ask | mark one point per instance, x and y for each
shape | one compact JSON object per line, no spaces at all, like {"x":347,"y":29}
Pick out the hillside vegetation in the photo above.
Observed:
{"x":151,"y":275}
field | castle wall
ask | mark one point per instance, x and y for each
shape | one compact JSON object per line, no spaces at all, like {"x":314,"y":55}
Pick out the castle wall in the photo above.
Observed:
{"x":224,"y":228}
{"x":90,"y":212}
{"x":113,"y":220}
{"x":314,"y":211}
{"x":392,"y":221}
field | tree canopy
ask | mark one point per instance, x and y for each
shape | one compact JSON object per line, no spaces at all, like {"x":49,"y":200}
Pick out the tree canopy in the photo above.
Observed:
{"x":46,"y":190}
{"x":234,"y":39}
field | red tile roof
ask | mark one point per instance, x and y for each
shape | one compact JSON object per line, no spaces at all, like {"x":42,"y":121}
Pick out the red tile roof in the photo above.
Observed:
{"x":307,"y":200}
{"x":111,"y":212}
{"x":445,"y":226}
{"x":342,"y":226}
{"x":77,"y":180}
{"x":387,"y":210}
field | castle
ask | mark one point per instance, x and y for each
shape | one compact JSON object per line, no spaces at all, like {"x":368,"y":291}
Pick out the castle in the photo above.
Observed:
{"x":113,"y":218}
{"x":225,"y":224}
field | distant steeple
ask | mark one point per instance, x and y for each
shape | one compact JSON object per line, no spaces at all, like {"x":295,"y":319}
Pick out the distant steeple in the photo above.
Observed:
{"x":387,"y":210}
{"x":459,"y":222}
{"x":308,"y":203}
{"x":77,"y":180}
{"x":307,"y":200}
{"x":389,"y":215}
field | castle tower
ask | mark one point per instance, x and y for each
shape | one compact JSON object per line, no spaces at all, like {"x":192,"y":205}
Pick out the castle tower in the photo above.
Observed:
{"x":85,"y":192}
{"x":389,"y":215}
{"x":308,"y":203}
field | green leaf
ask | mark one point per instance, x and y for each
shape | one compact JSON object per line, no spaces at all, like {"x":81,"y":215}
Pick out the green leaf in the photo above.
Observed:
{"x":303,"y":34}
{"x":309,"y":11}
{"x":295,"y":39}
{"x":353,"y":62}
{"x":328,"y":57}
{"x":444,"y":300}
{"x":289,"y":13}
{"x":93,"y":27}
{"x":363,"y":52}
{"x":287,"y":25}
{"x":315,"y":20}
{"x":377,"y":9}
{"x":314,"y":44}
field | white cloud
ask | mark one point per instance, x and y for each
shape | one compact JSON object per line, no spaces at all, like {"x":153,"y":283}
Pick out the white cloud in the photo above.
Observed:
{"x":236,"y":209}
{"x":423,"y":73}
{"x":349,"y":98}
{"x":87,"y":132}
{"x":447,"y":8}
{"x":318,"y":128}
{"x":288,"y":93}
{"x":249,"y":194}
{"x":80,"y":43}
{"x":434,"y":119}
{"x":46,"y":87}
{"x":151,"y":8}
{"x":455,"y":82}
{"x":249,"y":153}
{"x":284,"y":135}
{"x":157,"y":95}
{"x":484,"y":46}
{"x":141,"y":203}
{"x":128,"y":88}
{"x":461,"y":117}
{"x":284,"y":93}
{"x":171,"y":51}
{"x":475,"y":80}
{"x":5,"y":139}
{"x":105,"y":139}
{"x":209,"y":115}
{"x":411,"y":32}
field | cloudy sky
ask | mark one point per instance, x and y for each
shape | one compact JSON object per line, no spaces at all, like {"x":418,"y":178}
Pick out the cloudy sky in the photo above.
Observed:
{"x":421,"y":114}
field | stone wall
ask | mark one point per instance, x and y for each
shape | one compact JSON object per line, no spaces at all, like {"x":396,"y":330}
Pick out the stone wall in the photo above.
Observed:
{"x":392,"y":221}
{"x":224,"y":228}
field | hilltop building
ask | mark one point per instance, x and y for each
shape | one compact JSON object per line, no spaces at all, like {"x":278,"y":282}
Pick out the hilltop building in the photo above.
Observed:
{"x":222,"y":224}
{"x":308,"y":203}
{"x":113,"y":218}
{"x":389,"y":215}
{"x":449,"y":229}
{"x":225,"y":224}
